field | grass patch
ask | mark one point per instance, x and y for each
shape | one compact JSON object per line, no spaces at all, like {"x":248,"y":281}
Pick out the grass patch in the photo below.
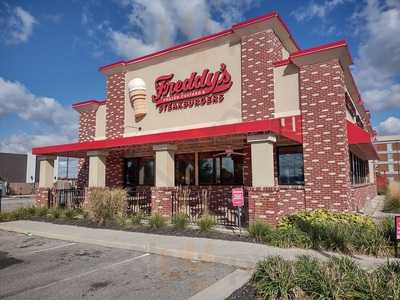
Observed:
{"x":157,"y":221}
{"x":337,"y":278}
{"x":206,"y":223}
{"x":180,"y":221}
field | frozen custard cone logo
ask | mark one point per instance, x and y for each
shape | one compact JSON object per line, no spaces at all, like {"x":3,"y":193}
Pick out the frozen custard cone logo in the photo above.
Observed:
{"x":196,"y":90}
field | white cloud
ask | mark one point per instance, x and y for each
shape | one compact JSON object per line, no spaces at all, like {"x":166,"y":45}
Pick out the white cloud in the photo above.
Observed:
{"x":377,"y":63}
{"x":391,"y":126}
{"x":53,"y":122}
{"x":319,"y":10}
{"x":18,"y":25}
{"x":24,"y":142}
{"x":158,"y":24}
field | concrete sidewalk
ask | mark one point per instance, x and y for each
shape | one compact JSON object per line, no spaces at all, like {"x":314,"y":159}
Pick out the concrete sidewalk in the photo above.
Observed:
{"x":239,"y":254}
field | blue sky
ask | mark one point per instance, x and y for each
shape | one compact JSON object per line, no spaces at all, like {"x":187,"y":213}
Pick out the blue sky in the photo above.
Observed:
{"x":51,"y":50}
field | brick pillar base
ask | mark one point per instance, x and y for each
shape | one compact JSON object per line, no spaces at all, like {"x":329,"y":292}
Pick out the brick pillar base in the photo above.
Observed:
{"x":161,"y":201}
{"x":42,"y":197}
{"x":263,"y":204}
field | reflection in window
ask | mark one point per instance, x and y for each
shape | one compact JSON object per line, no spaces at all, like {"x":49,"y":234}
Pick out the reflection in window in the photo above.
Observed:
{"x":290,"y":165}
{"x":139,"y":171}
{"x":224,"y":170}
{"x":184,"y":169}
{"x":359,"y":169}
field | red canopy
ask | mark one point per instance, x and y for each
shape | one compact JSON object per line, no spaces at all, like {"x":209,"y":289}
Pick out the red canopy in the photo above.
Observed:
{"x":360,"y":142}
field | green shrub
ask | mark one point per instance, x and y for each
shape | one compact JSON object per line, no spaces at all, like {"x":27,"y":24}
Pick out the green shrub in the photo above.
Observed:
{"x":180,"y":221}
{"x":289,"y":236}
{"x":343,"y":232}
{"x":32,"y":210}
{"x":55,"y":213}
{"x":106,"y":205}
{"x":7,"y":217}
{"x":41,"y":211}
{"x":70,"y":213}
{"x":337,"y":278}
{"x":260,"y":231}
{"x":21,"y":213}
{"x":206,"y":223}
{"x":157,"y":221}
{"x":137,"y":218}
{"x":274,"y":279}
{"x":389,"y":229}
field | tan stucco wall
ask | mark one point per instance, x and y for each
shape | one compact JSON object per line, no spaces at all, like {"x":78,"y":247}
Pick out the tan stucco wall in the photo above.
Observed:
{"x":228,"y":111}
{"x":46,"y":174}
{"x":262,"y":160}
{"x":286,"y":91}
{"x":101,"y":122}
{"x":165,"y":168}
{"x":97,"y":171}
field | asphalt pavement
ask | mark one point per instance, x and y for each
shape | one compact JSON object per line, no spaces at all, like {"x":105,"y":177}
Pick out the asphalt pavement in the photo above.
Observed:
{"x":34,"y":267}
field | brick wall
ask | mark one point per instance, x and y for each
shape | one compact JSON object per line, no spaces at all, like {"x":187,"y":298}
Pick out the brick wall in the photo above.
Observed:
{"x":361,"y":194}
{"x":114,"y":169}
{"x":41,"y":197}
{"x":87,"y":132}
{"x":115,"y":105}
{"x":259,"y":51}
{"x":270,"y":204}
{"x":161,"y":201}
{"x":326,"y":153}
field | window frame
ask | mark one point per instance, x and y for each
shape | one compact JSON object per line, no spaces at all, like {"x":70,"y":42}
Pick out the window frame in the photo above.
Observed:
{"x":186,"y":155}
{"x":278,"y":148}
{"x":217,"y":178}
{"x":139,"y":161}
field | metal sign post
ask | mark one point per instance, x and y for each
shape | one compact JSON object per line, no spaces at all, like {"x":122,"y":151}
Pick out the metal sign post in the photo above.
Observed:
{"x":238,"y":201}
{"x":397,"y":232}
{"x":1,"y":195}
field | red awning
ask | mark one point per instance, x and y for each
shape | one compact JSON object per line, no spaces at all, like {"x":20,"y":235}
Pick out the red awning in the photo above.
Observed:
{"x":288,"y":127}
{"x":360,"y":142}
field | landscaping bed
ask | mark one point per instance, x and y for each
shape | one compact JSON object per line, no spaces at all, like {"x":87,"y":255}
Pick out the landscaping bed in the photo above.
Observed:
{"x":309,"y":278}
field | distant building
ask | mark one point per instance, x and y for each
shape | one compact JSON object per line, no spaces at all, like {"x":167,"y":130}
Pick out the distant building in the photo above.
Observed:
{"x":25,"y":168}
{"x":388,"y":148}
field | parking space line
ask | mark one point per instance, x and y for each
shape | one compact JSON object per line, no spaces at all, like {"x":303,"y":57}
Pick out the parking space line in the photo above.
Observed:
{"x":87,"y":273}
{"x":52,"y":248}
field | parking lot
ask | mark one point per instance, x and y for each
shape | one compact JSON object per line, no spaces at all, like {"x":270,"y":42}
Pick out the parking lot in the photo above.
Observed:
{"x":38,"y":268}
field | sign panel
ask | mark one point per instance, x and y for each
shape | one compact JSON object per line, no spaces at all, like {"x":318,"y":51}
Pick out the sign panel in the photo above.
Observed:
{"x":237,"y":197}
{"x":397,"y":224}
{"x":196,"y":90}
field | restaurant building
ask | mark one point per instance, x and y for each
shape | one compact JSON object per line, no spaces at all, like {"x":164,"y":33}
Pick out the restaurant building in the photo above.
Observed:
{"x":245,"y":107}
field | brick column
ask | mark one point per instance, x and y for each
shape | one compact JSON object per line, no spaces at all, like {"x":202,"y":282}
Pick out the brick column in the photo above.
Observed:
{"x":263,"y":204}
{"x":115,"y":105}
{"x":46,"y":180}
{"x":326,"y":152}
{"x":161,"y":200}
{"x":259,"y":51}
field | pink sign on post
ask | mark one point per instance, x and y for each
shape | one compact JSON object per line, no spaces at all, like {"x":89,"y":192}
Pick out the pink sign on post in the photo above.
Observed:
{"x":397,"y":224}
{"x":237,"y":197}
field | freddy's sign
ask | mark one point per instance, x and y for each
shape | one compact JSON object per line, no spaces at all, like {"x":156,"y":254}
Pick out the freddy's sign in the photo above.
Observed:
{"x":196,"y":90}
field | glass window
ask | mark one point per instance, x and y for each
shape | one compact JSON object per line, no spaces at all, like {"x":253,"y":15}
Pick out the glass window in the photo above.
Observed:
{"x":184,"y":169}
{"x":139,"y":171}
{"x":290,"y":165}
{"x":359,"y":170}
{"x":224,"y":170}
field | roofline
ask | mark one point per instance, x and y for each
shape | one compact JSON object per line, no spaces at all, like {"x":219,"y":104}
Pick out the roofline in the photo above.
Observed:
{"x":202,"y":39}
{"x":312,"y":50}
{"x":88,"y":102}
{"x":272,"y":125}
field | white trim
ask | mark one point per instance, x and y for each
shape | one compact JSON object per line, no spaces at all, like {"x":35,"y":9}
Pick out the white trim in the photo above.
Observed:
{"x":291,"y":113}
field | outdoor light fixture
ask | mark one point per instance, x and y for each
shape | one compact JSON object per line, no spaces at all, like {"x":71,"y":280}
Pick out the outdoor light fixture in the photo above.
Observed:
{"x":137,"y":96}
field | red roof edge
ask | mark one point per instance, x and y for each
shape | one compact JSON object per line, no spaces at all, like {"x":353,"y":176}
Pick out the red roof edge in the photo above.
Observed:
{"x":337,"y":44}
{"x":87,"y":102}
{"x":281,"y":63}
{"x":272,"y":125}
{"x":201,"y":40}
